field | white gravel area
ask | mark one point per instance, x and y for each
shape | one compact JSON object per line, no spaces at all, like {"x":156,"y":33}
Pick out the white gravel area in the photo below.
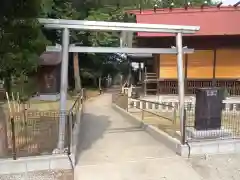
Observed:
{"x":40,"y":175}
{"x":217,"y":167}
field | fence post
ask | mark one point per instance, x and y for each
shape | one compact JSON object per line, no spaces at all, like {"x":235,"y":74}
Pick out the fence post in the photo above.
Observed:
{"x":142,"y":111}
{"x":184,"y":127}
{"x":25,"y":123}
{"x":128,"y":103}
{"x":174,"y":116}
{"x":84,"y":94}
{"x":82,"y":98}
{"x":14,"y":154}
{"x":68,"y":134}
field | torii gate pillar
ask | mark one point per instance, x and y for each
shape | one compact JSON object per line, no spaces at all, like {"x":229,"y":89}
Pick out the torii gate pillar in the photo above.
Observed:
{"x":63,"y":87}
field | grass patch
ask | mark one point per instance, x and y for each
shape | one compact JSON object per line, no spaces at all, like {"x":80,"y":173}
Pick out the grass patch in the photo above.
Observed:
{"x":25,"y":89}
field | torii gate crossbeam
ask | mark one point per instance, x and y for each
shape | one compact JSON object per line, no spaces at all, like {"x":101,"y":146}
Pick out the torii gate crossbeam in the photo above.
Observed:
{"x":125,"y":29}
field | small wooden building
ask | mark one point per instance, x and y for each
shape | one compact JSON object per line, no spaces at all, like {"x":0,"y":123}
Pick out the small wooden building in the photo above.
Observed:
{"x":216,"y":60}
{"x":48,"y":75}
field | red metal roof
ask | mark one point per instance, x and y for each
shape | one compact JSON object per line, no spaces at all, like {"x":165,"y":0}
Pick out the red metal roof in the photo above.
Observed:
{"x":212,"y":20}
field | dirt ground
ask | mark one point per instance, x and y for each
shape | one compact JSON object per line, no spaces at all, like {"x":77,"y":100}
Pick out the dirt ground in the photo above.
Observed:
{"x":217,"y":167}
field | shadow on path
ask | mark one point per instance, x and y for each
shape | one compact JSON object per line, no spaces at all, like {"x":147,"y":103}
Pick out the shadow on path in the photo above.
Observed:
{"x":92,"y":128}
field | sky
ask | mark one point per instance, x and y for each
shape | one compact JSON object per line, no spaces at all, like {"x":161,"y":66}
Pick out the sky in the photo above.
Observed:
{"x":229,"y":2}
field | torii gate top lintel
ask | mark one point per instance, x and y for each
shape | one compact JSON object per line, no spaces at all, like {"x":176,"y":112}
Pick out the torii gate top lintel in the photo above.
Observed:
{"x":117,"y":26}
{"x":126,"y":30}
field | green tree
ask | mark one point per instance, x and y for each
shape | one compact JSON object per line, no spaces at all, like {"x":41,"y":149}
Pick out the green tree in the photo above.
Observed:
{"x":21,"y":38}
{"x":21,"y":43}
{"x":59,"y":9}
{"x":102,"y":65}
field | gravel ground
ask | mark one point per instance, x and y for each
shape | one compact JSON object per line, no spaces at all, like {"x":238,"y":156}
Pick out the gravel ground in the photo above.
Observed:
{"x":40,"y":175}
{"x":217,"y":167}
{"x":210,"y":167}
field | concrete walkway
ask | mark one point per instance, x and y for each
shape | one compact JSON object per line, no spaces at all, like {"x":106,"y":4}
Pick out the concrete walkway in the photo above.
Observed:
{"x":113,"y":149}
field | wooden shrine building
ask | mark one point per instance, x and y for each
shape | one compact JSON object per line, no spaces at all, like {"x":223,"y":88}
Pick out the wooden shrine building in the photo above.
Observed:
{"x":216,"y":59}
{"x":48,"y":76}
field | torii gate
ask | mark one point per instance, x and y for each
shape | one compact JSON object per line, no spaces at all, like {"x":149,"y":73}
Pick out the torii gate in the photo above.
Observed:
{"x":126,"y":30}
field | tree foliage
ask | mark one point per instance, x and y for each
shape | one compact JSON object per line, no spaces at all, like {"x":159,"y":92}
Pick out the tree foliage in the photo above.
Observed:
{"x":58,"y":9}
{"x":103,"y":64}
{"x":21,"y":38}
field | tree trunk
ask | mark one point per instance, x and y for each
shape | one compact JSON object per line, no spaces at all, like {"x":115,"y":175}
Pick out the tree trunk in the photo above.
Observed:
{"x":8,"y":84}
{"x":95,"y":82}
{"x":77,"y":77}
{"x":100,"y":84}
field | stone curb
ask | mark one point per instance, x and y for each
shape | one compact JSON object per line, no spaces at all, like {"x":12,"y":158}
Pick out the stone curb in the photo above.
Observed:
{"x":35,"y":163}
{"x":156,"y":133}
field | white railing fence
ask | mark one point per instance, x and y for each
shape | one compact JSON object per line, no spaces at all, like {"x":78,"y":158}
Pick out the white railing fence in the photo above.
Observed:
{"x":171,"y":104}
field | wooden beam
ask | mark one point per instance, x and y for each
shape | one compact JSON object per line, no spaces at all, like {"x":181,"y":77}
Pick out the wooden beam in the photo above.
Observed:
{"x":157,"y":58}
{"x":214,"y":67}
{"x":186,"y":65}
